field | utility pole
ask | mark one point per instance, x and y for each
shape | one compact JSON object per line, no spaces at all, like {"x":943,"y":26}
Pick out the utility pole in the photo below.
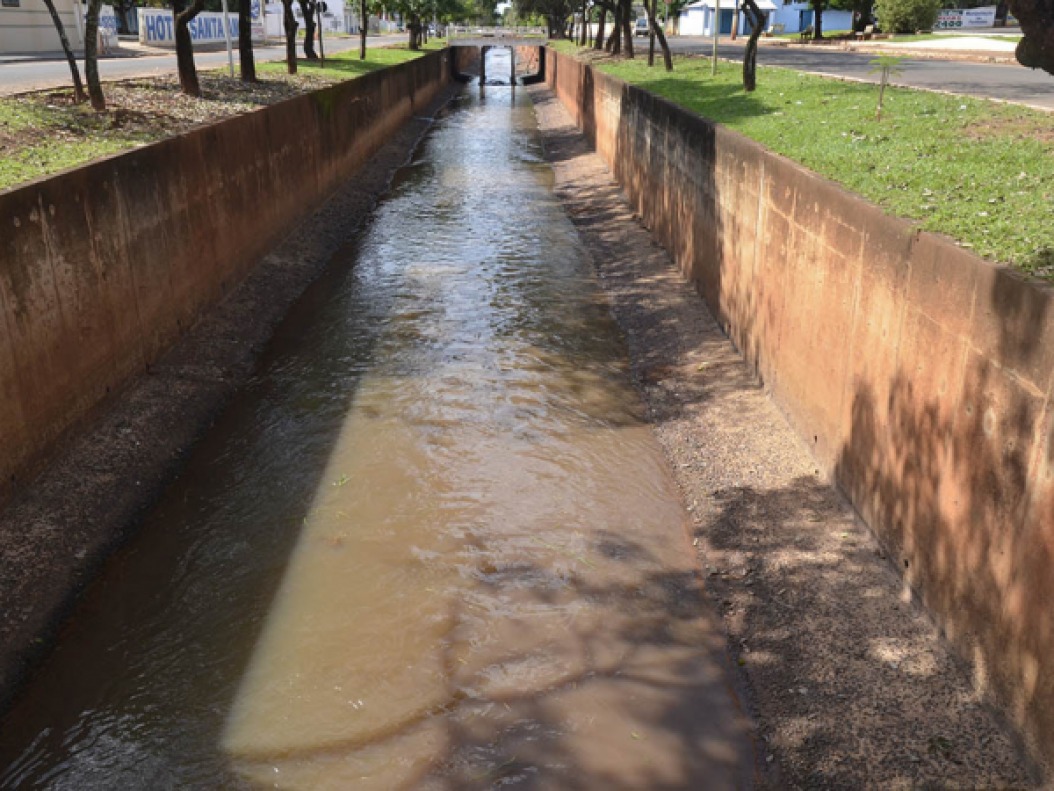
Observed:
{"x":227,"y":36}
{"x":320,"y":7}
{"x":717,"y":30}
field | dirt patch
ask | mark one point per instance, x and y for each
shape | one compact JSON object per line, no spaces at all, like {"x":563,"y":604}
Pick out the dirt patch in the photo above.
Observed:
{"x":148,"y":108}
{"x":60,"y":527}
{"x":848,"y":678}
{"x":1017,"y":127}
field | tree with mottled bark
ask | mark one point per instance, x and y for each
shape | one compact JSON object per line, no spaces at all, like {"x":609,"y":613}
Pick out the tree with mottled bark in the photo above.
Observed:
{"x":290,"y":24}
{"x":246,"y":59}
{"x":1036,"y":48}
{"x":78,"y":87}
{"x":91,"y":56}
{"x":757,"y":19}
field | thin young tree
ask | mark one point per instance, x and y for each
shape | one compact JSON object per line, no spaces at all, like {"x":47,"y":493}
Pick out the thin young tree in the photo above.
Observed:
{"x":78,"y":87}
{"x":91,"y":56}
{"x":246,"y":59}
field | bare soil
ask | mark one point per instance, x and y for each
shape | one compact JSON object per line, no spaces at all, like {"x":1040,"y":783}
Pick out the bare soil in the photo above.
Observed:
{"x":845,"y":673}
{"x":149,"y":107}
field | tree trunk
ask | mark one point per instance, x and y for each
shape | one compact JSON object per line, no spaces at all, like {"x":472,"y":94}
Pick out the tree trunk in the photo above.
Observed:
{"x":651,"y":33}
{"x":188,"y":73}
{"x":658,"y":33}
{"x":1036,"y":49}
{"x":364,"y":23}
{"x":817,"y":25}
{"x":307,"y":8}
{"x":598,"y":42}
{"x":627,"y":26}
{"x":91,"y":55}
{"x":750,"y":55}
{"x":78,"y":88}
{"x":246,"y":59}
{"x":289,"y":20}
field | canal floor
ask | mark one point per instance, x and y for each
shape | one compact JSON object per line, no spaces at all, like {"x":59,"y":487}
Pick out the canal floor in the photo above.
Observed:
{"x":434,"y":543}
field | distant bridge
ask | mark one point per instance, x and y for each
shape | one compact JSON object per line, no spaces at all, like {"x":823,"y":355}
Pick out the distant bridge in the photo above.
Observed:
{"x":459,"y":36}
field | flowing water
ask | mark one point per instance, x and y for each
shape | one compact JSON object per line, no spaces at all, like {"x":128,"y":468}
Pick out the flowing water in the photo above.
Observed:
{"x":431,"y":545}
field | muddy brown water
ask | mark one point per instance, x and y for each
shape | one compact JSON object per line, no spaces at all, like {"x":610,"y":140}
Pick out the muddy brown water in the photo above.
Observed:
{"x":432,"y":545}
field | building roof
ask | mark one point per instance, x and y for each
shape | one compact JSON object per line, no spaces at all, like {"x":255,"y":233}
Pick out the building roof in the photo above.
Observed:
{"x":727,"y":5}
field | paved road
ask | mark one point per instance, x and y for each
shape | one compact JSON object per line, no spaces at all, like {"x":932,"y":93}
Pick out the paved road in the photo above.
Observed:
{"x":18,"y":75}
{"x":995,"y":81}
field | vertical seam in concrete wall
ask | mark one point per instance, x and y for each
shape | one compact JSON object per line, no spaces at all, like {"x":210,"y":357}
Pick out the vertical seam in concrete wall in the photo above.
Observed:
{"x":124,"y":230}
{"x":759,"y":225}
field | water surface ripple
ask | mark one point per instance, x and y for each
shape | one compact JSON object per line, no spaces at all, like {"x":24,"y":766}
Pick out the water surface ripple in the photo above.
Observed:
{"x":432,"y":545}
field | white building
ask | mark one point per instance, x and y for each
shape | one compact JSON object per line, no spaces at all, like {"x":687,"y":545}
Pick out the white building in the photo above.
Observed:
{"x":697,"y":19}
{"x":334,"y":19}
{"x":26,"y":26}
{"x":795,"y":17}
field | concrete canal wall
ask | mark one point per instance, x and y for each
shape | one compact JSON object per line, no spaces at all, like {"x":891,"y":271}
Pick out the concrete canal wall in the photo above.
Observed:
{"x":920,"y":374}
{"x":104,"y":266}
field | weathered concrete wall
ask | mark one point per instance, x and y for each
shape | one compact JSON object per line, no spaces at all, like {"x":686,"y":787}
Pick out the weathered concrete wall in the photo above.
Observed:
{"x":920,"y":373}
{"x":528,"y":60}
{"x":102,"y":267}
{"x":465,"y":60}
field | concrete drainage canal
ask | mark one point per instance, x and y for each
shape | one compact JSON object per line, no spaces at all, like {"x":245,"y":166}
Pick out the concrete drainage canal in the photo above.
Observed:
{"x":432,"y":544}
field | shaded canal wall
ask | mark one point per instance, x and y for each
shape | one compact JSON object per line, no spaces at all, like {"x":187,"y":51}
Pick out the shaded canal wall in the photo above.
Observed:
{"x":919,"y":373}
{"x":103,"y":267}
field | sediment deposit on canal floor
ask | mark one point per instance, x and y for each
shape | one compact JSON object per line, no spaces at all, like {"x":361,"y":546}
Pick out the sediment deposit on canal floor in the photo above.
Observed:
{"x":849,"y":679}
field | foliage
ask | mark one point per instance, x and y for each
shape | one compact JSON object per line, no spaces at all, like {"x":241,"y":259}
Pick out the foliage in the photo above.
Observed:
{"x":416,"y":13}
{"x":1036,"y":49}
{"x":557,"y":13}
{"x":976,"y":170}
{"x":906,"y":16}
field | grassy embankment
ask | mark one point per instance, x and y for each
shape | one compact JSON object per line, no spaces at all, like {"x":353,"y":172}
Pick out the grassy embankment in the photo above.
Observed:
{"x":44,"y":132}
{"x":979,"y":171}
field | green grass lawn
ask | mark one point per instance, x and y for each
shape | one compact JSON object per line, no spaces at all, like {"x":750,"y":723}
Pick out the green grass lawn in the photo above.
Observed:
{"x":346,"y":65}
{"x":978,"y":171}
{"x":58,"y":139}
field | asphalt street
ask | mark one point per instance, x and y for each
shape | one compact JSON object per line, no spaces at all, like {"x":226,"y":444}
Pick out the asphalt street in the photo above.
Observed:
{"x":1009,"y":82}
{"x":29,"y":74}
